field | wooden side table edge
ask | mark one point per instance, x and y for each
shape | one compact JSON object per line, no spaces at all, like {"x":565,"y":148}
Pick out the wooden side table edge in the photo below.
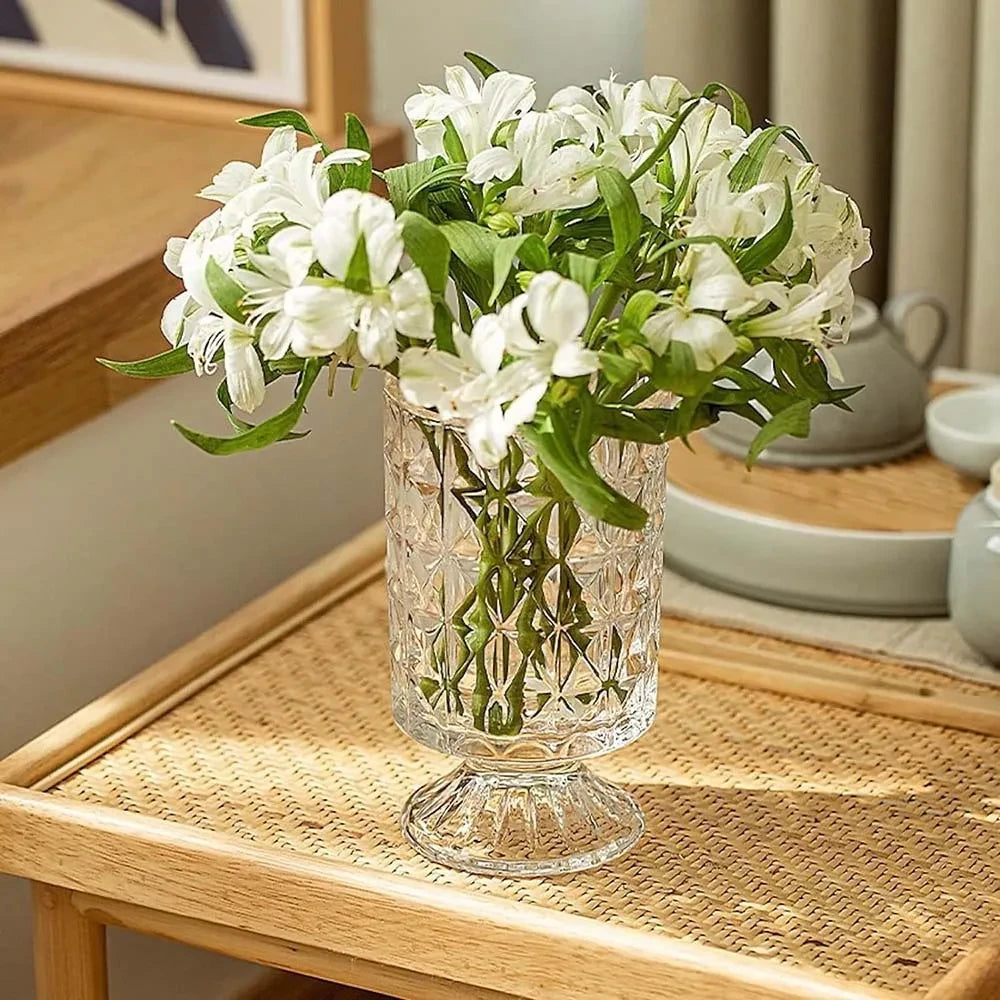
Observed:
{"x":491,"y":943}
{"x":97,"y":727}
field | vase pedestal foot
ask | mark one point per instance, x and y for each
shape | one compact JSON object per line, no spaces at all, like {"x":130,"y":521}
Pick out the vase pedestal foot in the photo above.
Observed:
{"x":502,"y":819}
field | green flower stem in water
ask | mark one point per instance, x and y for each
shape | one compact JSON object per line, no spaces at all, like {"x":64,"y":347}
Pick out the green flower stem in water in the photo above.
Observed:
{"x":507,"y":625}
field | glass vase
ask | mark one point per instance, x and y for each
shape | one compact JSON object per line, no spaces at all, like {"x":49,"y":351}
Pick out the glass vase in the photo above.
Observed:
{"x":523,"y":637}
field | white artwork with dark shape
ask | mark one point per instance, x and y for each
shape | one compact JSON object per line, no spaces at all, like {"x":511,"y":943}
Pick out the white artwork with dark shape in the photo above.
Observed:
{"x":248,"y":49}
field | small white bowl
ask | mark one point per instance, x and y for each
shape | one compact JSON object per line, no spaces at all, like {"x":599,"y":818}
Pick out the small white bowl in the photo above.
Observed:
{"x":963,"y":429}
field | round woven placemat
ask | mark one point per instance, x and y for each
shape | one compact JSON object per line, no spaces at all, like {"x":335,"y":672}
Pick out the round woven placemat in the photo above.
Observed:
{"x":915,"y":493}
{"x":861,"y":846}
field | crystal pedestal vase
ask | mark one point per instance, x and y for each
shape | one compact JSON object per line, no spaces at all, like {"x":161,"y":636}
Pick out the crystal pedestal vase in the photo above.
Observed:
{"x":523,"y":637}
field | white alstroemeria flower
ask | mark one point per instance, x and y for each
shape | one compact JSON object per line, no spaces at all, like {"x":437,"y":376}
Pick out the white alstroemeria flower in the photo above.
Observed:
{"x":707,"y":137}
{"x":720,"y":211}
{"x":551,"y":178}
{"x":833,"y":230}
{"x":205,"y":333}
{"x":475,"y":113}
{"x":710,"y":339}
{"x":188,"y":257}
{"x":651,"y":105}
{"x":529,"y":147}
{"x":800,"y":309}
{"x":476,"y":386}
{"x":648,"y":191}
{"x":601,"y":115}
{"x":395,"y":305}
{"x":558,"y":310}
{"x":715,"y":285}
{"x":235,"y":177}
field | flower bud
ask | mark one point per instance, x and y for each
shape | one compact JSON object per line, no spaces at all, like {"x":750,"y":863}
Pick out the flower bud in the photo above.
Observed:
{"x":502,"y":223}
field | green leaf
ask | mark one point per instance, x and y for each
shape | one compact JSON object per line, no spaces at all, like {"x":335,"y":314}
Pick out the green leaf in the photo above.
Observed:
{"x":582,"y":269}
{"x":764,"y":250}
{"x":444,"y":334}
{"x":616,"y":368}
{"x":629,"y":424}
{"x":474,"y":245}
{"x":453,"y":147}
{"x":483,"y":65}
{"x":663,"y":144}
{"x":286,"y":116}
{"x":267,"y":432}
{"x":741,"y":113}
{"x":222,"y":394}
{"x":529,"y":247}
{"x":553,"y":441}
{"x":226,"y":292}
{"x":357,"y":175}
{"x":676,"y":371}
{"x":792,"y":420}
{"x":746,"y":171}
{"x":176,"y":361}
{"x":638,"y":308}
{"x":444,"y":176}
{"x":623,"y":208}
{"x":358,"y":277}
{"x":400,"y":181}
{"x":428,"y":248}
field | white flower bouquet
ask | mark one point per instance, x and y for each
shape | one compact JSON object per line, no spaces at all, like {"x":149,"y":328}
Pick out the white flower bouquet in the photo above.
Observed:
{"x":555,"y":294}
{"x":543,"y":273}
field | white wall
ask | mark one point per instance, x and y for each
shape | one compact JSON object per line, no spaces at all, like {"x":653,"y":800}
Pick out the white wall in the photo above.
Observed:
{"x":555,"y":41}
{"x":120,"y":541}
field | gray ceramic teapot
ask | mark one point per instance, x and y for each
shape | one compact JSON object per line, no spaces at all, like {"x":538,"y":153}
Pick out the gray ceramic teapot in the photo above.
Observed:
{"x":886,"y":419}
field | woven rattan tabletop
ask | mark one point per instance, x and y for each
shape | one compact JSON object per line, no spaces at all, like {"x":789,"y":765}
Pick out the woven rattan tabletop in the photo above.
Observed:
{"x":852,"y":854}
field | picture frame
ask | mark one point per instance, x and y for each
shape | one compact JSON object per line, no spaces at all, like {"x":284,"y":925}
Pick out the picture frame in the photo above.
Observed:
{"x":192,"y":60}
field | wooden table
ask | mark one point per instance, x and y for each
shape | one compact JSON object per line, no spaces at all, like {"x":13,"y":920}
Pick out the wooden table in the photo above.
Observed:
{"x":243,"y":796}
{"x":89,"y":200}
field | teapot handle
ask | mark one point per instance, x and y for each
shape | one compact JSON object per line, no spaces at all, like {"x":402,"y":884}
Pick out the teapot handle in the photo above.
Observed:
{"x":899,"y":307}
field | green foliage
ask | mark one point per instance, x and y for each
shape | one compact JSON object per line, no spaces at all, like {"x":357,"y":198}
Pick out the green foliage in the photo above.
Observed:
{"x":176,"y":361}
{"x":529,"y":247}
{"x":357,"y":175}
{"x":226,"y":292}
{"x":428,"y":248}
{"x":276,"y":428}
{"x":741,"y":113}
{"x":483,"y":65}
{"x":286,"y":116}
{"x":622,"y":207}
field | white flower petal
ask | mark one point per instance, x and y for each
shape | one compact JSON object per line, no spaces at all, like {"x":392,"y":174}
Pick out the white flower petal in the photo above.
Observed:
{"x":711,"y":341}
{"x":557,"y":307}
{"x":244,"y":374}
{"x":412,"y":306}
{"x":229,"y":181}
{"x":281,"y":142}
{"x":523,"y":408}
{"x":174,"y":316}
{"x":572,"y":359}
{"x":324,"y":318}
{"x":488,"y":433}
{"x":487,"y":343}
{"x":292,"y":248}
{"x":495,"y":162}
{"x":172,"y":255}
{"x":377,"y":332}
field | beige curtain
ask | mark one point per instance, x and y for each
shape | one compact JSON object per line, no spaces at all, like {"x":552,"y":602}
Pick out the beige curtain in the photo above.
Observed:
{"x":899,"y":100}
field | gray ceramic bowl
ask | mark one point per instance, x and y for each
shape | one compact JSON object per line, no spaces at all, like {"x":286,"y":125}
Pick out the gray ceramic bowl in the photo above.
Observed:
{"x":963,"y":429}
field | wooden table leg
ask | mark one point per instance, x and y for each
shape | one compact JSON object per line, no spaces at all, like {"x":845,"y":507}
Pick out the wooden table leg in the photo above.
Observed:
{"x":70,"y":954}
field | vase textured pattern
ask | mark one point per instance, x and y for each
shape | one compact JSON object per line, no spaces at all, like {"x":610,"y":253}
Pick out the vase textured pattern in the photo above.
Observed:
{"x":524,"y":637}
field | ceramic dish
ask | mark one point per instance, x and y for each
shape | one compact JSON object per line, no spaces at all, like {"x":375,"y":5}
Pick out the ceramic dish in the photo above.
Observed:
{"x":963,"y":429}
{"x":805,"y":566}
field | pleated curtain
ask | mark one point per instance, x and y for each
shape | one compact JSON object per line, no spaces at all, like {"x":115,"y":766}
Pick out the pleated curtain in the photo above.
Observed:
{"x":899,"y":101}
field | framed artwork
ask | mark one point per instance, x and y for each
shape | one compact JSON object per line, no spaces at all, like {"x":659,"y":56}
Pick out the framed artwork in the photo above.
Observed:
{"x":207,"y":60}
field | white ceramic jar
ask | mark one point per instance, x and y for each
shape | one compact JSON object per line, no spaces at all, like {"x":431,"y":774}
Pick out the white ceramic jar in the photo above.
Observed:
{"x":974,"y":575}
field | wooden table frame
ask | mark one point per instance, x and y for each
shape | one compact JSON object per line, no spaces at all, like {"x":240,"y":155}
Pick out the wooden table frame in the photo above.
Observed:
{"x":93,"y":866}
